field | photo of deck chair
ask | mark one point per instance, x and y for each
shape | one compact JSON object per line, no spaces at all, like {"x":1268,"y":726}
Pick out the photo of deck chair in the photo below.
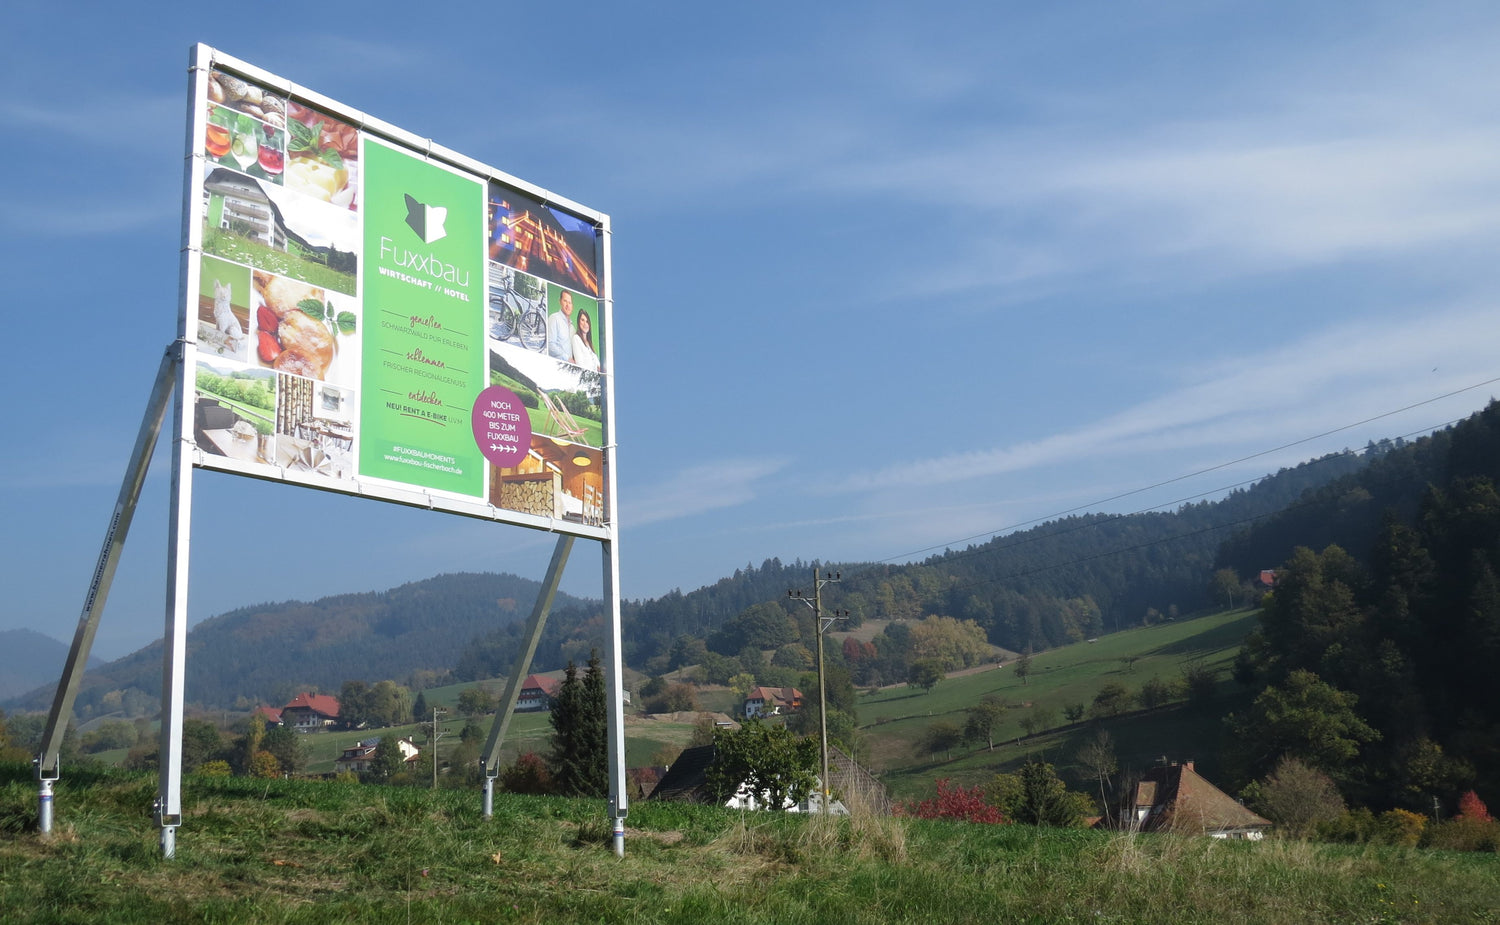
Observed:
{"x":563,"y":422}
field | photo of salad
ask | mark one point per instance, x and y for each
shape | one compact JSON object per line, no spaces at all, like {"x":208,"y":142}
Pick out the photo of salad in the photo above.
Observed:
{"x":322,"y":156}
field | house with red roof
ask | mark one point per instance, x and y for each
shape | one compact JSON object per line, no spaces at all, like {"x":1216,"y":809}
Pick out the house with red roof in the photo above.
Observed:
{"x":537,"y":693}
{"x":269,"y":715}
{"x":308,"y":712}
{"x":769,"y":701}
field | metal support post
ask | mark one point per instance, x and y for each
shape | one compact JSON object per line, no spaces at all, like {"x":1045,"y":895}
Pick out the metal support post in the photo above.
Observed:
{"x":614,"y":676}
{"x":174,"y":639}
{"x":44,"y":806}
{"x":46,"y":762}
{"x":490,"y":757}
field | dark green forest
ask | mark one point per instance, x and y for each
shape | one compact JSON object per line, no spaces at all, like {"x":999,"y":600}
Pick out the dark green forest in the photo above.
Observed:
{"x":1381,"y":644}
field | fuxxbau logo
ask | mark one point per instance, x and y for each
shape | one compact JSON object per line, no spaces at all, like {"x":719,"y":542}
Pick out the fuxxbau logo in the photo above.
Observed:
{"x":427,"y":221}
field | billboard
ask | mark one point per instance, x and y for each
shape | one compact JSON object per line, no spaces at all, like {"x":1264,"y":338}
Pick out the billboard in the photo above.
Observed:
{"x":372,"y":314}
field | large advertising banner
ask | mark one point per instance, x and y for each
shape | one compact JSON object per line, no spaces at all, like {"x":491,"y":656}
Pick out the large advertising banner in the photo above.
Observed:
{"x":375,"y":319}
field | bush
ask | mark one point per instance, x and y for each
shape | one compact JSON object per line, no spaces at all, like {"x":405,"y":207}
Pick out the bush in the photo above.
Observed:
{"x":528,"y":775}
{"x":1471,"y":807}
{"x":264,"y":764}
{"x":1036,"y":796}
{"x":677,"y":698}
{"x":1463,"y":833}
{"x":1157,"y":692}
{"x":216,"y":768}
{"x":1402,"y":827}
{"x":1296,"y":797}
{"x":956,"y":803}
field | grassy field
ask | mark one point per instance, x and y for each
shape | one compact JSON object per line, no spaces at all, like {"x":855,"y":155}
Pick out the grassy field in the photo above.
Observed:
{"x":894,"y":720}
{"x":303,"y":852}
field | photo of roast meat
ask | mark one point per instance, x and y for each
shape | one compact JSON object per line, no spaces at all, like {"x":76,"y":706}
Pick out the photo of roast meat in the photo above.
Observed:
{"x":289,"y":339}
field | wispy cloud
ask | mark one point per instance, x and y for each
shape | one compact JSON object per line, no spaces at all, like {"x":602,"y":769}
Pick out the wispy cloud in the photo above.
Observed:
{"x":699,"y":489}
{"x":101,"y":121}
{"x":1315,"y":161}
{"x":1325,"y":380}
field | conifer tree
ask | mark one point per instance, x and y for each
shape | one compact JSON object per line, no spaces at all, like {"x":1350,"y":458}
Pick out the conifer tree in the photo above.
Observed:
{"x":580,"y":751}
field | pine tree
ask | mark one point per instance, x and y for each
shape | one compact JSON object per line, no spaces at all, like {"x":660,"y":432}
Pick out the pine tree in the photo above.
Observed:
{"x":580,"y":752}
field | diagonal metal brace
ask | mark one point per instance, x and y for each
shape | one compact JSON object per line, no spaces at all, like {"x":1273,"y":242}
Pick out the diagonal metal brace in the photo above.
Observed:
{"x":490,"y":757}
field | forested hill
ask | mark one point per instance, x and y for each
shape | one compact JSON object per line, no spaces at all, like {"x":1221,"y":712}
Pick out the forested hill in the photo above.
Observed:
{"x":1348,"y":511}
{"x":1063,"y":580}
{"x":1384,"y":645}
{"x":28,"y":658}
{"x":270,"y":652}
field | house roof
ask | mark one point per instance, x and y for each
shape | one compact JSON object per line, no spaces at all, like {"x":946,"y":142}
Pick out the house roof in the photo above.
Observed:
{"x":549,"y":686}
{"x":780,"y":694}
{"x":1179,"y":799}
{"x":271,"y":714}
{"x":686,"y":780}
{"x":323,"y":704}
{"x":685,"y":777}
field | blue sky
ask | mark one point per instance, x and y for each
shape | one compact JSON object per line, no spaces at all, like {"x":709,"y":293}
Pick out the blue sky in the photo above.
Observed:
{"x":887,"y":276}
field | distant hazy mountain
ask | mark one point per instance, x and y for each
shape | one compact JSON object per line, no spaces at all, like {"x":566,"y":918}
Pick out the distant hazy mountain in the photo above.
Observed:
{"x":29,"y":659}
{"x":263,"y":652}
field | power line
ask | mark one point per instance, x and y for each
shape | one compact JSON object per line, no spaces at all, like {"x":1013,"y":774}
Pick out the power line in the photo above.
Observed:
{"x":1179,"y":478}
{"x":1028,"y":538}
{"x":1026,"y":573}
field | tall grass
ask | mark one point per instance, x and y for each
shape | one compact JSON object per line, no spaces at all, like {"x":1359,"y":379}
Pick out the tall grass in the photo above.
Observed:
{"x":290,"y":851}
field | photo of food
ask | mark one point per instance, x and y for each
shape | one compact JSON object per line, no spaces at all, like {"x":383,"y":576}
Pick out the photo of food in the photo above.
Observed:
{"x":243,"y":96}
{"x":224,"y":309}
{"x":235,"y":140}
{"x":301,"y":329}
{"x":322,"y":156}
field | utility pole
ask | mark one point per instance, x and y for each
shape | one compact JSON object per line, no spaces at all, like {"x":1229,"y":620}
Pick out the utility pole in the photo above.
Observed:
{"x":434,"y":740}
{"x":821,"y":623}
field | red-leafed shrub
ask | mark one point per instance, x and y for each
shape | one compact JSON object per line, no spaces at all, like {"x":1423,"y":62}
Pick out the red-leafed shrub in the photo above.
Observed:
{"x":954,"y":802}
{"x":1471,"y":807}
{"x":528,"y":775}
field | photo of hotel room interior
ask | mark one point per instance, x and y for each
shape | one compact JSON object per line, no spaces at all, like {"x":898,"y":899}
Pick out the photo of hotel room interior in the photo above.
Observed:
{"x":557,"y":479}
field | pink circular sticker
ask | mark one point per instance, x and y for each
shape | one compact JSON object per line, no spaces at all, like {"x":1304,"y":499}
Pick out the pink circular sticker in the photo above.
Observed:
{"x":502,"y":428}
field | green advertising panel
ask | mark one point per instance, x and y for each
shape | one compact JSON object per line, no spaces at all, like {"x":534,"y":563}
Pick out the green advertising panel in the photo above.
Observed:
{"x":423,"y":288}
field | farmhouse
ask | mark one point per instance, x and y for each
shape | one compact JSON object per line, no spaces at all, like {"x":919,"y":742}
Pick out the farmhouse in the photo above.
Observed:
{"x":308,"y":712}
{"x":768,"y":701}
{"x":537,"y":693}
{"x":1177,"y":798}
{"x":358,"y":758}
